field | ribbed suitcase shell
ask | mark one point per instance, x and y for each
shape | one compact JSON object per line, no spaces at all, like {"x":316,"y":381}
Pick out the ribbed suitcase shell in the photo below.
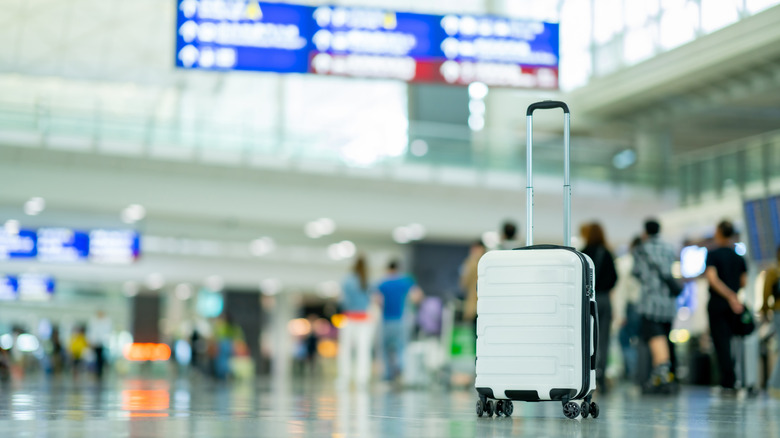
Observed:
{"x":536,"y":313}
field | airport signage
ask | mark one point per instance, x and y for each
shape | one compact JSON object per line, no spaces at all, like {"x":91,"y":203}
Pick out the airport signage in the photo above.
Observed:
{"x":67,"y":245}
{"x":21,"y":245}
{"x":26,"y":287}
{"x":227,"y":35}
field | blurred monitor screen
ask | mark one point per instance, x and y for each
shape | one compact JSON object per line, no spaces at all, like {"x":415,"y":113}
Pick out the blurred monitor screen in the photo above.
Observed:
{"x":18,"y":245}
{"x":62,"y":245}
{"x":8,"y":288}
{"x":35,"y":287}
{"x":693,"y":260}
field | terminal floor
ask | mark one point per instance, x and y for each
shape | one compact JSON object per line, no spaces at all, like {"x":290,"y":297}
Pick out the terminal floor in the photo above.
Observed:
{"x":200,"y":408}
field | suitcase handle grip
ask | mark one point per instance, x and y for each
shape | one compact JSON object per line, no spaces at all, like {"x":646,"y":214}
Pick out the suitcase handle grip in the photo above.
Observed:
{"x":594,"y":312}
{"x":529,"y":188}
{"x":547,"y":104}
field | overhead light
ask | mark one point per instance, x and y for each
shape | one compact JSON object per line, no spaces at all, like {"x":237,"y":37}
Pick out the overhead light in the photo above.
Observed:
{"x":419,"y":147}
{"x":262,"y":246}
{"x":155,"y":281}
{"x":183,"y":291}
{"x":478,"y":90}
{"x":401,"y":235}
{"x":321,"y":227}
{"x":328,"y":289}
{"x":133,"y":213}
{"x":491,"y":239}
{"x":12,"y":227}
{"x":416,"y":231}
{"x":624,"y":159}
{"x":214,"y":283}
{"x":408,"y":233}
{"x":270,"y":286}
{"x":34,"y":206}
{"x":130,"y":288}
{"x":342,"y":250}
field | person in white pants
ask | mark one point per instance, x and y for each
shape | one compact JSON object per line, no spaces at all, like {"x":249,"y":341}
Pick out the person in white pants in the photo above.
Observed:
{"x":356,"y":334}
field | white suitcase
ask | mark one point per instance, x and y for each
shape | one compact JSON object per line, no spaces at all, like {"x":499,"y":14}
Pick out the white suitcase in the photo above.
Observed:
{"x":536,"y":316}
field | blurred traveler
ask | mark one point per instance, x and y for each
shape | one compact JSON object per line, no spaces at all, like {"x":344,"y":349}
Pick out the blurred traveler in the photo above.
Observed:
{"x":509,"y":237}
{"x":606,"y":277}
{"x":228,"y":334}
{"x":78,"y":348}
{"x":99,"y":336}
{"x":468,"y":281}
{"x":657,"y":308}
{"x":394,"y":289}
{"x":55,"y":352}
{"x":626,"y":299}
{"x":356,"y":335}
{"x":727,"y":274}
{"x":772,"y":290}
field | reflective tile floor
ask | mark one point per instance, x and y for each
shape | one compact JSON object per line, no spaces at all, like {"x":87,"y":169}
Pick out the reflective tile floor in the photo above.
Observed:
{"x":201,"y":408}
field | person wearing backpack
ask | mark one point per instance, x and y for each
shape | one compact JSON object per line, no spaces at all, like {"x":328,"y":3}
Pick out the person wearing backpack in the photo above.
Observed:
{"x":606,"y":277}
{"x":772,"y":290}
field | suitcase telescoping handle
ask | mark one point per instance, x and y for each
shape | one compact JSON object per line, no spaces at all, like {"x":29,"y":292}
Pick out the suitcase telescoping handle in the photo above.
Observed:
{"x":547,"y":104}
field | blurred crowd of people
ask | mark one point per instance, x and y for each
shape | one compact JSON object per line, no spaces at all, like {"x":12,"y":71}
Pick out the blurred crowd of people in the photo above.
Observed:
{"x":638,"y":294}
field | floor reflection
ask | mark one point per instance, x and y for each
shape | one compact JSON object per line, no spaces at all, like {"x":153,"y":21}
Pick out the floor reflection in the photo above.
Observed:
{"x":202,"y":408}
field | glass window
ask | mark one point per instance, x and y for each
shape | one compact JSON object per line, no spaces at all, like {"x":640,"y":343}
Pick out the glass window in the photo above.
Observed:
{"x":678,"y":25}
{"x":639,"y":44}
{"x":754,"y":6}
{"x":608,"y":20}
{"x":716,"y":14}
{"x":638,"y":13}
{"x":575,"y":62}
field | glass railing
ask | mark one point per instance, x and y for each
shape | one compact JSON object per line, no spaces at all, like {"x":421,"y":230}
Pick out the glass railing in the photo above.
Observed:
{"x":741,"y":165}
{"x":426,"y":144}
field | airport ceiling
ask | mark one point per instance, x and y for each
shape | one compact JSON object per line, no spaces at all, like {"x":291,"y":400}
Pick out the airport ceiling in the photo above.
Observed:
{"x":722,"y":87}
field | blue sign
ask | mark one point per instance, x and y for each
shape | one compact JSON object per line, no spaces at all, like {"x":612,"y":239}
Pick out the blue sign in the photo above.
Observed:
{"x":363,"y":42}
{"x":62,"y":245}
{"x":8,"y":288}
{"x":114,"y":246}
{"x":35,"y":287}
{"x":21,"y":245}
{"x":243,"y":35}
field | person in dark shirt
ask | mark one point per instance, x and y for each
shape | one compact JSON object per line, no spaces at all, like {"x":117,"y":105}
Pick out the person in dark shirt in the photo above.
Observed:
{"x":726,"y":273}
{"x":606,"y":277}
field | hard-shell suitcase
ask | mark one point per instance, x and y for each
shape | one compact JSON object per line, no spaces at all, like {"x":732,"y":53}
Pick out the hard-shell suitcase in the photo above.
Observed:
{"x":537,"y":321}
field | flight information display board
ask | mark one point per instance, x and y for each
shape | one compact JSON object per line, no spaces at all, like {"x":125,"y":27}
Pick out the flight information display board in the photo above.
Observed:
{"x":67,"y":245}
{"x":248,"y":35}
{"x":762,"y":220}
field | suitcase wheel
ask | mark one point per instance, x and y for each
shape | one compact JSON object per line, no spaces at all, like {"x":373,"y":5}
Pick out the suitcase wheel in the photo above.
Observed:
{"x":489,"y":407}
{"x":585,"y":408}
{"x":480,"y":407}
{"x":571,"y":410}
{"x":594,"y":410}
{"x":507,"y":407}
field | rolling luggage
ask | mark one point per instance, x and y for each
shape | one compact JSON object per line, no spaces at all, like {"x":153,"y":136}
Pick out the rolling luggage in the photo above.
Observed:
{"x":537,"y":322}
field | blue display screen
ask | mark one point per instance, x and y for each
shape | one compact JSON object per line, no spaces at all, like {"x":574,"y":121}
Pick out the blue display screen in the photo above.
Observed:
{"x":62,"y":244}
{"x":21,"y":245}
{"x":67,"y":245}
{"x":243,"y":35}
{"x":9,"y":286}
{"x":364,"y":42}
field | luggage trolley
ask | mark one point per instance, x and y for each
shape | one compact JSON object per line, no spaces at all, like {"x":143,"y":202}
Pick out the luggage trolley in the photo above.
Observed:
{"x":537,"y":320}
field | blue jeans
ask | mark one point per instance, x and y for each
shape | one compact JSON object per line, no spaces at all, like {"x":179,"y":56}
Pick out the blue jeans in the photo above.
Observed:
{"x":393,"y":342}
